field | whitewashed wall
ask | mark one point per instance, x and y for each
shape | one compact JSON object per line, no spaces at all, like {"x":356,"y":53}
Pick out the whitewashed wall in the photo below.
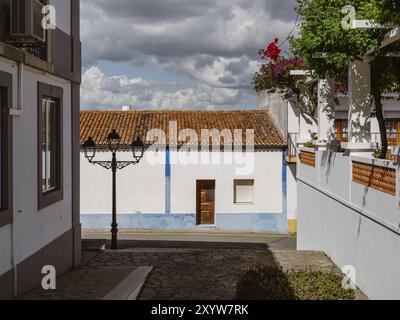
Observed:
{"x":293,"y":118}
{"x":291,"y":193}
{"x":277,"y":107}
{"x":267,"y":175}
{"x":354,"y":225}
{"x":35,"y":229}
{"x":141,"y":188}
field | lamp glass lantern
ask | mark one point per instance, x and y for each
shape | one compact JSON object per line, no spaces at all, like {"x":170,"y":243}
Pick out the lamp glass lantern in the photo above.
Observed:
{"x":89,"y":149}
{"x":114,"y":141}
{"x":138,"y":149}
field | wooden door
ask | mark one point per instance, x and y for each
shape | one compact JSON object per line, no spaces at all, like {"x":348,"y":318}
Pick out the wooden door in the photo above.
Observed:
{"x":398,"y":133}
{"x":205,"y":198}
{"x":342,"y":130}
{"x":392,"y":131}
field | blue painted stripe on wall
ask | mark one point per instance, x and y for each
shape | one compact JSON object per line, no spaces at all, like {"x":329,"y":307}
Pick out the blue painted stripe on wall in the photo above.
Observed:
{"x":167,"y":181}
{"x":245,"y":222}
{"x":167,"y":162}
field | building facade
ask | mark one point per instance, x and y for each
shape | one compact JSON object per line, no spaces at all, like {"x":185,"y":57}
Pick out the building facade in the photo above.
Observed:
{"x":299,"y":129}
{"x":40,"y":74}
{"x":348,"y":203}
{"x":177,"y":187}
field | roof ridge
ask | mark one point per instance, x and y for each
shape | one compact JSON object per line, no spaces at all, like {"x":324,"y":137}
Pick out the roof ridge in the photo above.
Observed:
{"x":175,"y":110}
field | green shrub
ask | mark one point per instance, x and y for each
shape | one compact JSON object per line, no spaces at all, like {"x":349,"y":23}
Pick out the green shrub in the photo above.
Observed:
{"x":316,"y":285}
{"x":310,"y":144}
{"x":271,"y":283}
{"x":264,"y":283}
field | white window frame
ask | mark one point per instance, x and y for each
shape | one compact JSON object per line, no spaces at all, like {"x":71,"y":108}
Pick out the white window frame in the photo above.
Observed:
{"x":46,"y":162}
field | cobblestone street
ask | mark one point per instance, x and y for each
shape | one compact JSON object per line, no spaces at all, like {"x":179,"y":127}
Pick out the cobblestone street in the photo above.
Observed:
{"x":179,"y":273}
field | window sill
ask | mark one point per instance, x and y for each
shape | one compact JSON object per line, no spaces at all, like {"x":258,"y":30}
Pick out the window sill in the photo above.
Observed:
{"x":49,"y":198}
{"x":244,"y":203}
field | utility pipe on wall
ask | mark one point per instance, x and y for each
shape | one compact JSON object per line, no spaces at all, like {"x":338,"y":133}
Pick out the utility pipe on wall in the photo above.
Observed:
{"x":19,"y":110}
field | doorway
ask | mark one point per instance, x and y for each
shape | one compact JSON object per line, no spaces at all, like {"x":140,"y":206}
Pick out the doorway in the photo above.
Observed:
{"x":205,"y":202}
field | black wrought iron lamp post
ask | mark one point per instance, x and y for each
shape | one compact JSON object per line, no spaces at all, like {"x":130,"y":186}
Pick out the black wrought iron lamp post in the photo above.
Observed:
{"x":114,"y":142}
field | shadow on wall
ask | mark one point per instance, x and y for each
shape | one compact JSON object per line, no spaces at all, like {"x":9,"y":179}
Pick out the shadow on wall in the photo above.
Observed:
{"x":328,"y":160}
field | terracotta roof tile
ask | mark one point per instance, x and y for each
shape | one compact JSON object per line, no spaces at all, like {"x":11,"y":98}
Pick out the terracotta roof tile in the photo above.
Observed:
{"x":130,"y":124}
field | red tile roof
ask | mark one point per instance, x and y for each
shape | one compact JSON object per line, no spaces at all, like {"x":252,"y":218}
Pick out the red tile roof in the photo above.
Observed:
{"x":130,"y":124}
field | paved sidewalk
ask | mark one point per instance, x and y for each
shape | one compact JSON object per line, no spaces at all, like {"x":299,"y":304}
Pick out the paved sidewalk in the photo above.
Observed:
{"x":195,"y":239}
{"x":201,"y":273}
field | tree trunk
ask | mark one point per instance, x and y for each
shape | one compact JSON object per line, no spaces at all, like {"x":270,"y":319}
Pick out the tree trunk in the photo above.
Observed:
{"x":377,"y":94}
{"x":308,"y":108}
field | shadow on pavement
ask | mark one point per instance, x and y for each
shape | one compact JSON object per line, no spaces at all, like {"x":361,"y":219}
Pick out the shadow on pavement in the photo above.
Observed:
{"x":132,"y":244}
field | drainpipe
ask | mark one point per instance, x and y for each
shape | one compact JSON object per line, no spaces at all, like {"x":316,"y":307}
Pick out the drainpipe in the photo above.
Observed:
{"x":19,"y":110}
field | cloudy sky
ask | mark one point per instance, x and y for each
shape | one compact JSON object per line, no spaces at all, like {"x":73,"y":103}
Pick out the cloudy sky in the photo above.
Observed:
{"x":176,"y":54}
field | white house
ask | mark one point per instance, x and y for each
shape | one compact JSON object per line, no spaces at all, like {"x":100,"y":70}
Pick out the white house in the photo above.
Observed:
{"x":186,"y":184}
{"x":298,"y":128}
{"x":39,"y":99}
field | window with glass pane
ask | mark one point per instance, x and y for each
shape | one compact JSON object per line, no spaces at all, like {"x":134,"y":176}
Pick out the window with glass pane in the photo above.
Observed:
{"x":342,"y":130}
{"x":244,"y":192}
{"x":393,"y":131}
{"x":49,"y":138}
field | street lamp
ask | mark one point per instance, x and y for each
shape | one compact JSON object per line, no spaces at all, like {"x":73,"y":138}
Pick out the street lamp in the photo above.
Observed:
{"x":137,"y":149}
{"x":114,"y":142}
{"x":89,"y":148}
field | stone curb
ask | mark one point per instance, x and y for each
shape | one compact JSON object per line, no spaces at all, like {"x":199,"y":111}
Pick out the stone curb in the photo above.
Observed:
{"x":131,"y":286}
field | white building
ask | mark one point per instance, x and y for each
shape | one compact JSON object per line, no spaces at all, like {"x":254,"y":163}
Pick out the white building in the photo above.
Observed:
{"x":39,"y":98}
{"x":196,"y":189}
{"x":348,"y":201}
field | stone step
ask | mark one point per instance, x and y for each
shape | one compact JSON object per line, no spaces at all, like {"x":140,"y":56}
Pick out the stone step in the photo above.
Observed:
{"x":131,"y":286}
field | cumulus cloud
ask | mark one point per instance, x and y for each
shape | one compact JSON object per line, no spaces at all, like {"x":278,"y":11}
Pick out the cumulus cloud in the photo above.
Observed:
{"x":212,"y":42}
{"x":99,"y":90}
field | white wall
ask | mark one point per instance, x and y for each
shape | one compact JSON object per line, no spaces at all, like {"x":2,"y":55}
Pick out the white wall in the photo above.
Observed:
{"x":297,"y":123}
{"x":332,"y":166}
{"x":308,"y":172}
{"x":293,"y":118}
{"x":391,"y":109}
{"x":267,"y":177}
{"x":141,"y":189}
{"x":277,"y":107}
{"x":291,"y":193}
{"x":307,"y":126}
{"x":354,"y":225}
{"x":350,"y":239}
{"x":35,"y":229}
{"x":385,"y":206}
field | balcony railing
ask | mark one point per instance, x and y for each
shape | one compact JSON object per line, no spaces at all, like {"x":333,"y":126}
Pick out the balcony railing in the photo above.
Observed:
{"x":39,"y":52}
